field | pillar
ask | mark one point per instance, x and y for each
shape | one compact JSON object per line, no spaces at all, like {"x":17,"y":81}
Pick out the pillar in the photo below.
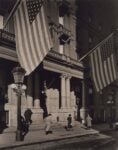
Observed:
{"x":68,"y":91}
{"x":36,"y":91}
{"x":37,"y":116}
{"x":83,"y":110}
{"x":63,"y":91}
{"x":29,"y":92}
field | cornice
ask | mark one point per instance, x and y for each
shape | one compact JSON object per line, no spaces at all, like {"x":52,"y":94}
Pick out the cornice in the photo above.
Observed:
{"x":51,"y":66}
{"x":8,"y":54}
{"x":64,"y":60}
{"x":62,"y":64}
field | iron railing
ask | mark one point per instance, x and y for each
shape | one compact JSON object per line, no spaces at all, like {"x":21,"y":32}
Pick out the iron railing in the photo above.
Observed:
{"x":7,"y":38}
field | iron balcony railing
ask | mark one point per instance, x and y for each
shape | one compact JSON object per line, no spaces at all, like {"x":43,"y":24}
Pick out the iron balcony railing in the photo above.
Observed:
{"x":7,"y":38}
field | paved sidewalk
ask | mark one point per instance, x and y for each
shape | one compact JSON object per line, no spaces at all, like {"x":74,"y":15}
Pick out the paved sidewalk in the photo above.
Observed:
{"x":37,"y":135}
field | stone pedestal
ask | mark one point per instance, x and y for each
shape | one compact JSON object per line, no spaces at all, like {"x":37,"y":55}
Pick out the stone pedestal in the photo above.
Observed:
{"x":37,"y":116}
{"x":63,"y":114}
{"x":83,"y":114}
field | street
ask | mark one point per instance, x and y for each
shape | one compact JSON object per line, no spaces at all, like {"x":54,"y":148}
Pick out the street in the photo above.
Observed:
{"x":89,"y":142}
{"x":114,"y":145}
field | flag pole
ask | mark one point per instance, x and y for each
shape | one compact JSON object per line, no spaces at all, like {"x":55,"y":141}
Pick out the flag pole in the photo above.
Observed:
{"x":12,"y":12}
{"x":95,"y":47}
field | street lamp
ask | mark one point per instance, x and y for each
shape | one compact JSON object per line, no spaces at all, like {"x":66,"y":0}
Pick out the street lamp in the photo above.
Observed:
{"x":18,"y":87}
{"x":110,"y":103}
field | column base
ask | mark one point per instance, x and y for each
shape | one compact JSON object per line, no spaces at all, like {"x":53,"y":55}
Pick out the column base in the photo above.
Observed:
{"x":37,"y":103}
{"x":83,"y":114}
{"x":37,"y":116}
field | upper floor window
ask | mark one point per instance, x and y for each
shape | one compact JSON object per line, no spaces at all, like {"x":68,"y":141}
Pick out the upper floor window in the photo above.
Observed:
{"x":61,"y":48}
{"x":61,"y":20}
{"x":63,"y":10}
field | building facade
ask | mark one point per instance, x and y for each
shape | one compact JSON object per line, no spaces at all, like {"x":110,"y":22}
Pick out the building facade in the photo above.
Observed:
{"x":55,"y":86}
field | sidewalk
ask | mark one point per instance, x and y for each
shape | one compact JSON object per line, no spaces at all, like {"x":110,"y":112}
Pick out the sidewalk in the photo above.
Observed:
{"x":36,"y":135}
{"x":103,"y":127}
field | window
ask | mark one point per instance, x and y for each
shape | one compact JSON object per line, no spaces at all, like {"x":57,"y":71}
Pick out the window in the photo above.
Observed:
{"x":63,"y":10}
{"x":61,"y":49}
{"x":61,"y":20}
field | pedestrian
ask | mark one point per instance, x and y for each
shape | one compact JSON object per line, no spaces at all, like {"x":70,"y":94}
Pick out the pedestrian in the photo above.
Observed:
{"x":24,"y":127}
{"x":48,"y":122}
{"x":88,"y":121}
{"x":69,"y":123}
{"x":69,"y":119}
{"x":28,"y":113}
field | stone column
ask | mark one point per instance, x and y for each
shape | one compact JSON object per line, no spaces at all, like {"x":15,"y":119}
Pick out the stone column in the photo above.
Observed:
{"x":37,"y":116}
{"x":29,"y":92}
{"x":63,"y":91}
{"x":83,"y":110}
{"x":68,"y":91}
{"x":36,"y":91}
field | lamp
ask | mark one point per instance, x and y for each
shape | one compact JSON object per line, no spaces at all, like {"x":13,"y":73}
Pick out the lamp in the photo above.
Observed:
{"x":110,"y":103}
{"x":18,"y":74}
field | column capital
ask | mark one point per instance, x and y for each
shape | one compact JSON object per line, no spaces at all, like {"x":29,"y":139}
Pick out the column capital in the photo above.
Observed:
{"x":63,"y":75}
{"x":68,"y":76}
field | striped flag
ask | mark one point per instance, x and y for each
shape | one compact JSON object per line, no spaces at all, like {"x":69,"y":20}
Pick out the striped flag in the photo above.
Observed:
{"x":103,"y":64}
{"x":33,"y":40}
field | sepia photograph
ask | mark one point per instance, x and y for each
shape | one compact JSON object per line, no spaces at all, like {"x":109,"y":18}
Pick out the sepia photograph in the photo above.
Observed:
{"x":58,"y":74}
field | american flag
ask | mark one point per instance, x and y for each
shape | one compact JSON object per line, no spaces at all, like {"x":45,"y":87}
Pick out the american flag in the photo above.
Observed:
{"x":33,"y":7}
{"x":103,"y":64}
{"x":33,"y":40}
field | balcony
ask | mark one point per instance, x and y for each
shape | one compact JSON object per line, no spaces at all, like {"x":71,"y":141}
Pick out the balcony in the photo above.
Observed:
{"x":7,"y":39}
{"x":64,"y":60}
{"x":64,"y":34}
